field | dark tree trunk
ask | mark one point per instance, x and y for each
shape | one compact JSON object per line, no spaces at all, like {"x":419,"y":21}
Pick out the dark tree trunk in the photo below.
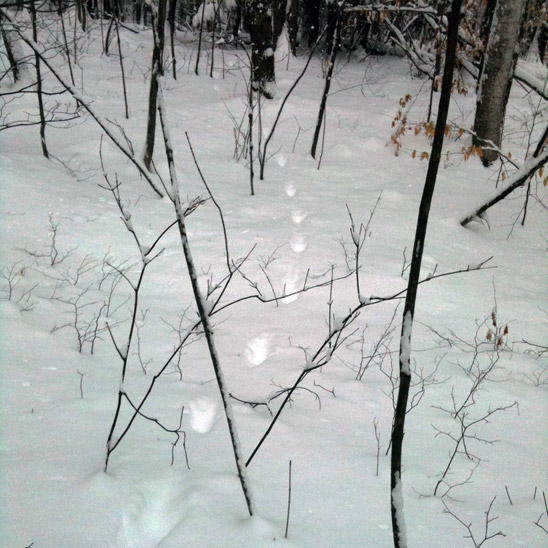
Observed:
{"x":32,"y":7}
{"x":496,"y":78}
{"x":332,"y":22}
{"x":172,"y":28}
{"x":278,"y":19}
{"x":334,"y":42}
{"x":293,"y":25}
{"x":542,"y":42}
{"x":398,"y":523}
{"x":259,"y":21}
{"x":158,"y":28}
{"x":237,"y":21}
{"x":312,"y":20}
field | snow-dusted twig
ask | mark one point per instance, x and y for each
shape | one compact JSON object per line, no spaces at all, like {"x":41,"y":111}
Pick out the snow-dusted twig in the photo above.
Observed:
{"x":477,"y":542}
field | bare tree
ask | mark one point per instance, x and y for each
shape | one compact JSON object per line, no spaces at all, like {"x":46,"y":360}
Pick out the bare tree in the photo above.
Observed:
{"x":398,"y":521}
{"x":157,"y":69}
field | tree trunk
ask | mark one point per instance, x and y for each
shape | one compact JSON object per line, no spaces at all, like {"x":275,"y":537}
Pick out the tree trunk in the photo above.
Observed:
{"x":293,"y":25}
{"x":172,"y":28}
{"x":312,"y":20}
{"x":496,"y":78}
{"x":158,"y":28}
{"x":10,"y":53}
{"x":259,"y":21}
{"x":278,"y":20}
{"x":398,"y":521}
{"x":333,"y":41}
{"x":45,"y":152}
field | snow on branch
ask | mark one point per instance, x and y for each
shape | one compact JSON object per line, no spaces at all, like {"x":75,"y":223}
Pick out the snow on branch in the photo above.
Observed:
{"x":519,"y":178}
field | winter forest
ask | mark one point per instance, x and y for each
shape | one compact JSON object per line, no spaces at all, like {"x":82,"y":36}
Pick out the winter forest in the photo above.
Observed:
{"x":273,"y":273}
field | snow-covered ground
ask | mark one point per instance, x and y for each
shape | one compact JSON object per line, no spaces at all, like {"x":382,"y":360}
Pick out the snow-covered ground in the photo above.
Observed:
{"x":58,"y":402}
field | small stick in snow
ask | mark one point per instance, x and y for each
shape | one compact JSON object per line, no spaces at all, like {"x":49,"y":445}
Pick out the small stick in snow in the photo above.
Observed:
{"x":288,"y":502}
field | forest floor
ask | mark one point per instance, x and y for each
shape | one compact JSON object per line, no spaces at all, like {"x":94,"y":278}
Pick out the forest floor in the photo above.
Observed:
{"x":63,"y":244}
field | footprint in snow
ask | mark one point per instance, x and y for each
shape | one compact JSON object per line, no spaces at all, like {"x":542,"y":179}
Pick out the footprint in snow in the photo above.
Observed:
{"x":290,"y":190}
{"x":258,"y":350}
{"x":281,"y":160}
{"x":203,"y":413}
{"x":298,"y":242}
{"x":298,"y":216}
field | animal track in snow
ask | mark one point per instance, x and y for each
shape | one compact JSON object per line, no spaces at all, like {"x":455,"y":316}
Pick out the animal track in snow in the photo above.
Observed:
{"x":298,"y":216}
{"x":290,"y":190}
{"x":258,"y":350}
{"x":203,"y":412}
{"x":298,"y":242}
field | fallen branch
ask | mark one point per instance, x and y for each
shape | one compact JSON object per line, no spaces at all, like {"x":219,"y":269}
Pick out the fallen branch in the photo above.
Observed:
{"x":519,"y":178}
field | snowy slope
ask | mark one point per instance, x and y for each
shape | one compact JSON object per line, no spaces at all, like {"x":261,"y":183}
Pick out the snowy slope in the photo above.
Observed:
{"x":58,"y":403}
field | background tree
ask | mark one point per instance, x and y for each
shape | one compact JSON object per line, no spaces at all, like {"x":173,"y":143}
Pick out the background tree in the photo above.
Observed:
{"x":258,"y":15}
{"x":157,"y":68}
{"x":496,"y":77}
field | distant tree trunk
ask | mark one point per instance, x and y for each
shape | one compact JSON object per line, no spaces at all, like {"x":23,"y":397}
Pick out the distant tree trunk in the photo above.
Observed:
{"x":293,"y":24}
{"x":236,"y":18}
{"x":335,"y":19}
{"x":10,"y":51}
{"x":259,"y":21}
{"x":172,"y":28}
{"x":485,"y":29}
{"x":497,"y":75}
{"x":542,"y":42}
{"x":278,"y":19}
{"x":398,"y":429}
{"x":202,"y":18}
{"x":45,"y":152}
{"x":531,"y":21}
{"x":158,"y":27}
{"x":312,"y":20}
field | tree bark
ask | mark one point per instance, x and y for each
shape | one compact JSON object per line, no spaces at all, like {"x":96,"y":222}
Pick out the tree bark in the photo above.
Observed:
{"x":398,"y":521}
{"x":158,"y":28}
{"x":496,"y":77}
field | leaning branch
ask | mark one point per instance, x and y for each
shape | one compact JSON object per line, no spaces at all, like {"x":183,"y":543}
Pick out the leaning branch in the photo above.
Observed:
{"x":519,"y":178}
{"x":85,"y":102}
{"x":521,"y":74}
{"x":204,"y":307}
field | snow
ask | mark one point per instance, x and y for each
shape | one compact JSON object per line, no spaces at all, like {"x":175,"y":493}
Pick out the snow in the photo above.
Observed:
{"x":206,"y":10}
{"x":405,"y":343}
{"x":397,"y":501}
{"x":53,"y":491}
